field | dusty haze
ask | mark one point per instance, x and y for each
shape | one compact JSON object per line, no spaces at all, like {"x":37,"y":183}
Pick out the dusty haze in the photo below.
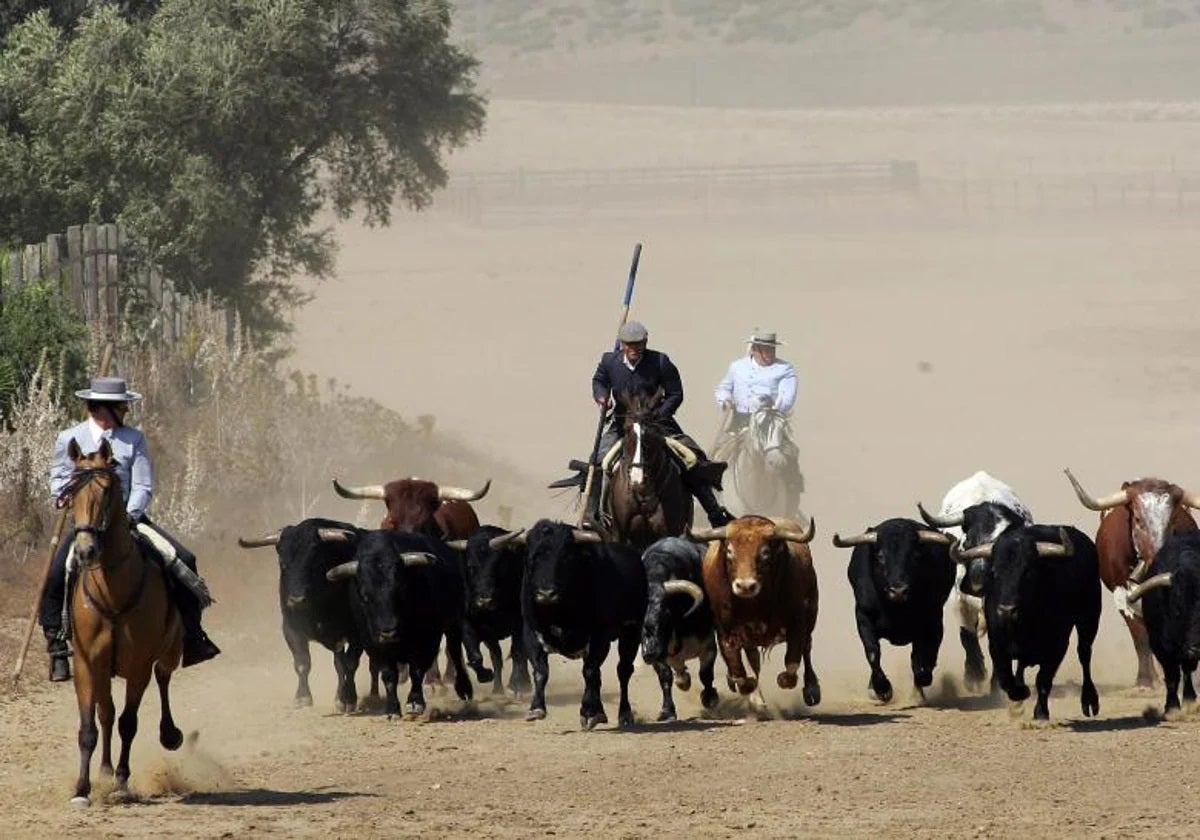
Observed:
{"x":1029,"y":307}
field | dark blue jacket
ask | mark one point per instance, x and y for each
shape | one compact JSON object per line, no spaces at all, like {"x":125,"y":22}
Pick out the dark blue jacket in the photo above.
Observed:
{"x":654,"y":371}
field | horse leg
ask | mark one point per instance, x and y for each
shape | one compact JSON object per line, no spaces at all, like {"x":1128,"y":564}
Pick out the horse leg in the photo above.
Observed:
{"x":85,"y":696}
{"x":106,"y":711}
{"x":168,"y":733}
{"x":135,"y":687}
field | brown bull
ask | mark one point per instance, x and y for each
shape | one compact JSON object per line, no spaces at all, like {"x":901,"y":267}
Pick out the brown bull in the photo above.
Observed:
{"x":1134,"y":522}
{"x":760,"y":583}
{"x":416,"y":506}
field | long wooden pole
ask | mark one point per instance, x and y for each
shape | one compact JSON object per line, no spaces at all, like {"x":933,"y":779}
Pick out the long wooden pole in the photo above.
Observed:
{"x":55,"y":539}
{"x":625,"y":303}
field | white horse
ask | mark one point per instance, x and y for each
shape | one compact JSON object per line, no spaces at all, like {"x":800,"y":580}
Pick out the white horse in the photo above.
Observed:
{"x":764,"y":474}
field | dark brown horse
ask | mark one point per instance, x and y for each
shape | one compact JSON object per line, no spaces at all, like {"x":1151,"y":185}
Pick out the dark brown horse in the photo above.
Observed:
{"x":123,"y":622}
{"x":647,"y":497}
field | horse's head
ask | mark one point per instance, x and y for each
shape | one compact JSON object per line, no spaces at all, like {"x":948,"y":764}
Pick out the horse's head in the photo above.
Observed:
{"x":642,"y":447}
{"x":768,"y":437}
{"x":94,"y":494}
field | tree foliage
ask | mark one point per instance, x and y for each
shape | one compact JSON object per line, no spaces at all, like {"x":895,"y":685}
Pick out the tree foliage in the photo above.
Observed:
{"x":218,"y":130}
{"x":36,"y":322}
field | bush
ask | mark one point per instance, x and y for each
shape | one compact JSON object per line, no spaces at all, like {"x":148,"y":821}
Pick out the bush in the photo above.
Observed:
{"x":37,"y":322}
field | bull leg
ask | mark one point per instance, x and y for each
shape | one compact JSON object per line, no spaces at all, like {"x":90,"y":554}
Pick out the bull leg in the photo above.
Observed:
{"x":414,"y":704}
{"x":497,"y":657}
{"x":879,"y":682}
{"x":974,"y":669}
{"x":731,"y":652}
{"x":135,"y":687}
{"x":1141,"y":644}
{"x":627,"y":649}
{"x":1085,"y":632}
{"x":754,"y":657}
{"x":470,"y":642}
{"x":1189,"y":689}
{"x":668,"y":702}
{"x":518,"y":680}
{"x":391,"y":702}
{"x":1171,"y":675}
{"x":541,"y":675}
{"x":683,"y":679}
{"x":708,"y":658}
{"x":1002,"y":673}
{"x":454,"y":655}
{"x":168,"y":733}
{"x":345,"y":662}
{"x":924,"y":656}
{"x":301,"y":661}
{"x":591,"y":709}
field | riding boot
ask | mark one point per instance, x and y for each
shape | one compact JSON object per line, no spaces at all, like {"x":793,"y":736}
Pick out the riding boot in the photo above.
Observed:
{"x":707,"y":497}
{"x":591,"y":510}
{"x":197,"y":647}
{"x":60,"y":662}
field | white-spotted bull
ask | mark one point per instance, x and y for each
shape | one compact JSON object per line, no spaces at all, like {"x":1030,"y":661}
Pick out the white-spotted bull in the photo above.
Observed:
{"x":762,"y":588}
{"x":1134,"y":523}
{"x":997,"y":509}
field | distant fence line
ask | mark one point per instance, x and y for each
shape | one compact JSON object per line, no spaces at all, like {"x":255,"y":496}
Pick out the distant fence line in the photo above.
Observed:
{"x":93,"y":270}
{"x":532,"y":192}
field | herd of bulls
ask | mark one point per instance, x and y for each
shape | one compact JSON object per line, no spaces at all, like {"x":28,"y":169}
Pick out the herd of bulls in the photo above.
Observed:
{"x":432,"y":574}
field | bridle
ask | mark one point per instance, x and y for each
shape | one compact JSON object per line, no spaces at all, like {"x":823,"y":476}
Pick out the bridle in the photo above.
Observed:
{"x":80,"y":478}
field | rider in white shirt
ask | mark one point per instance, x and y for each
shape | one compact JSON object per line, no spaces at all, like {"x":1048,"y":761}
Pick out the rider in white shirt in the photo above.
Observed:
{"x":757,"y":379}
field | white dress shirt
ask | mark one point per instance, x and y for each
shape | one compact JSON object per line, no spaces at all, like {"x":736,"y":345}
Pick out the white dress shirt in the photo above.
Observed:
{"x":747,"y":383}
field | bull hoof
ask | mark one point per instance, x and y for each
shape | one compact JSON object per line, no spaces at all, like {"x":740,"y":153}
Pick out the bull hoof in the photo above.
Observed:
{"x":303,"y":702}
{"x":882,"y":688}
{"x":683,"y":681}
{"x":1019,"y":693}
{"x":625,"y":719}
{"x":414,"y":709}
{"x":1090,"y":700}
{"x":464,"y":689}
{"x":343,"y":708}
{"x":484,"y":675}
{"x":371,"y":705}
{"x":746,"y":685}
{"x":923,"y":678}
{"x":121,"y":796}
{"x":709,"y":698}
{"x":812,"y":694}
{"x":535,"y":714}
{"x":80,"y":801}
{"x":787,"y":680}
{"x":170,"y":738}
{"x":590,"y":722}
{"x":667,"y":715}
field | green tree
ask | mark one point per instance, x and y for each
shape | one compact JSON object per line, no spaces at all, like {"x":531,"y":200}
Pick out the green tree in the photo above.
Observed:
{"x":218,"y":130}
{"x":36,"y":319}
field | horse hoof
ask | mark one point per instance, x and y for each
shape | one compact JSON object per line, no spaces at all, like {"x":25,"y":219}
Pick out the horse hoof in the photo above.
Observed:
{"x":709,"y":698}
{"x":303,"y":702}
{"x":535,"y":714}
{"x":747,"y":685}
{"x":667,"y":715}
{"x":80,"y":801}
{"x":414,"y":709}
{"x":683,"y":681}
{"x":121,"y":796}
{"x":787,"y":680}
{"x":171,"y":739}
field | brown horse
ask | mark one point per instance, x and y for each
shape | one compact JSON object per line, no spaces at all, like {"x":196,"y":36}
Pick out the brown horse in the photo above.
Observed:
{"x":647,"y":496}
{"x":123,"y":622}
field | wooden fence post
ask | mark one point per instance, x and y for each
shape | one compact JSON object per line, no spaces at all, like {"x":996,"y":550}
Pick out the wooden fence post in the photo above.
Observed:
{"x":75,"y":258}
{"x":91,"y":297}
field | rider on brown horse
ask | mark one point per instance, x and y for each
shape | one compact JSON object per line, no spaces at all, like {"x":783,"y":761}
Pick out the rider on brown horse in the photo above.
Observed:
{"x":635,"y":370}
{"x":107,"y":402}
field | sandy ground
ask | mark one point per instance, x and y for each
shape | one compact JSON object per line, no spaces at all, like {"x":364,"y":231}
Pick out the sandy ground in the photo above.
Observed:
{"x":927,"y":348}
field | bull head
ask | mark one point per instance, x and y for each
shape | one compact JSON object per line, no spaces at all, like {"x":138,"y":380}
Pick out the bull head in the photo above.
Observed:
{"x":685,"y":587}
{"x":940,"y":521}
{"x":270,"y":539}
{"x":1122,"y":496}
{"x":781,"y":532}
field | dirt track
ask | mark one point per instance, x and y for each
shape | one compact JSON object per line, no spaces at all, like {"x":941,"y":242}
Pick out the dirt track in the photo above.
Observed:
{"x":927,"y":349}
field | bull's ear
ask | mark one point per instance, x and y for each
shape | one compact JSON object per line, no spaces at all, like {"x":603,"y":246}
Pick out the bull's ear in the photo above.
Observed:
{"x":73,"y":450}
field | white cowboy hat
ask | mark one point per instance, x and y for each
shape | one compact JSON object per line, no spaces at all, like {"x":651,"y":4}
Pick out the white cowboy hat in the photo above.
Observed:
{"x":767,"y":337}
{"x":108,"y":389}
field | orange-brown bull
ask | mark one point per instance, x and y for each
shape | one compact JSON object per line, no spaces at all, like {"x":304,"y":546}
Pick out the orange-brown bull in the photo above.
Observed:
{"x":759,"y":580}
{"x":1134,"y":522}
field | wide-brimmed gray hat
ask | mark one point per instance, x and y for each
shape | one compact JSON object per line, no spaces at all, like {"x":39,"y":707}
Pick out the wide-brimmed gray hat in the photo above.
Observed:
{"x":108,"y":389}
{"x":767,"y":337}
{"x":632,"y":332}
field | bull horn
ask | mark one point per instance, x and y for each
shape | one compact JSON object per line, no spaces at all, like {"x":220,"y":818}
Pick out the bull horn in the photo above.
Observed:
{"x":369,"y":491}
{"x":270,"y":539}
{"x":934,"y":537}
{"x":1160,"y":580}
{"x":1107,"y":503}
{"x":343,"y":571}
{"x":1063,"y":548}
{"x":685,"y":587}
{"x":979,"y":552}
{"x":867,"y":538}
{"x":457,"y":545}
{"x":502,"y":540}
{"x":707,"y":535}
{"x":583,"y":536}
{"x":335,"y":534}
{"x":417,"y":558}
{"x":804,"y":536}
{"x":940,"y":521}
{"x":461,"y":494}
